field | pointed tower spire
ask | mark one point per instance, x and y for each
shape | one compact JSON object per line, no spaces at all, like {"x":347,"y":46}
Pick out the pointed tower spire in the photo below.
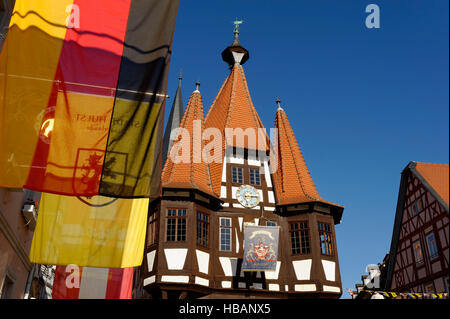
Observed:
{"x":235,"y":53}
{"x":293,"y":183}
{"x":174,"y":120}
{"x":193,"y":173}
{"x":233,"y":109}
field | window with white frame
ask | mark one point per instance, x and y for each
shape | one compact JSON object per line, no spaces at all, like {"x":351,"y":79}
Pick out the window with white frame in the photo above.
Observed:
{"x":255,"y":178}
{"x":225,"y":234}
{"x":237,"y":176}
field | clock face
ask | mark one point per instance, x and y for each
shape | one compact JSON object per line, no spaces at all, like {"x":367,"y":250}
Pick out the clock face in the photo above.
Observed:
{"x":248,"y":196}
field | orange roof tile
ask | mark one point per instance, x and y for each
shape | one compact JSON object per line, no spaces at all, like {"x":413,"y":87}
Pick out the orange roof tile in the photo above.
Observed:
{"x":233,"y":108}
{"x":437,"y":176}
{"x":194,"y":173}
{"x":293,"y":183}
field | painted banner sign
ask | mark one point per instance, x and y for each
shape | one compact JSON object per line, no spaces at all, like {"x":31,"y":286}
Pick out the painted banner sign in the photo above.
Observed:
{"x":260,"y":248}
{"x":82,"y":93}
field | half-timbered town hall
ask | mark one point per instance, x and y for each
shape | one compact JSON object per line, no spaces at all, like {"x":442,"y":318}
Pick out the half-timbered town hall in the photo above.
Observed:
{"x":195,"y":245}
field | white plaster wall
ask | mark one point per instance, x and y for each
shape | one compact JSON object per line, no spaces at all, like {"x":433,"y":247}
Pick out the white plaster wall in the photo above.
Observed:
{"x":151,"y":260}
{"x":329,"y":267}
{"x":302,"y":269}
{"x":175,"y":258}
{"x":202,"y":261}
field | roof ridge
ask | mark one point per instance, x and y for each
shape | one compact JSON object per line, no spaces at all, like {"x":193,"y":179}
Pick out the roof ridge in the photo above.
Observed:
{"x":206,"y":166}
{"x":209,"y":183}
{"x":232,"y":97}
{"x":194,"y":96}
{"x":280,"y":159}
{"x":434,"y":164}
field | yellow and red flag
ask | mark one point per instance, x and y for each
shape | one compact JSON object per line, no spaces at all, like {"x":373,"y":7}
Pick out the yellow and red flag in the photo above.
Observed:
{"x":99,"y":232}
{"x":82,"y":89}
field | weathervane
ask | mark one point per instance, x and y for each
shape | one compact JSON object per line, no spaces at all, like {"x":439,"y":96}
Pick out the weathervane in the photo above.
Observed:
{"x":236,"y":25}
{"x":229,"y":54}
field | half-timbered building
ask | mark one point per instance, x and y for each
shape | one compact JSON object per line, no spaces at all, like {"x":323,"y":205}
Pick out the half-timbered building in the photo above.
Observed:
{"x":195,"y":233}
{"x":419,"y":250}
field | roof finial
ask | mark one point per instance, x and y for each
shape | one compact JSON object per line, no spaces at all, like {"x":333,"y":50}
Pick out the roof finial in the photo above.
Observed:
{"x":236,"y":25}
{"x":235,"y":53}
{"x":197,"y":85}
{"x":279,"y":104}
{"x":236,"y":30}
{"x":180,"y":77}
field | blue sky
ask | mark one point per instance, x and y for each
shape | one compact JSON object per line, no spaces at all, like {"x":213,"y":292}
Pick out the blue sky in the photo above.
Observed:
{"x":362,"y":102}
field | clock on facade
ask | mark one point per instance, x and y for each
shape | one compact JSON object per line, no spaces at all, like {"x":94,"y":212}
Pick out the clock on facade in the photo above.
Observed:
{"x":248,"y":196}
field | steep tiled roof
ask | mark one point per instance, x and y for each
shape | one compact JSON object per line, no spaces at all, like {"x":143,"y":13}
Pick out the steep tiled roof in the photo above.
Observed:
{"x":233,"y":108}
{"x":436,"y":176}
{"x":194,"y":172}
{"x":293,"y":183}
